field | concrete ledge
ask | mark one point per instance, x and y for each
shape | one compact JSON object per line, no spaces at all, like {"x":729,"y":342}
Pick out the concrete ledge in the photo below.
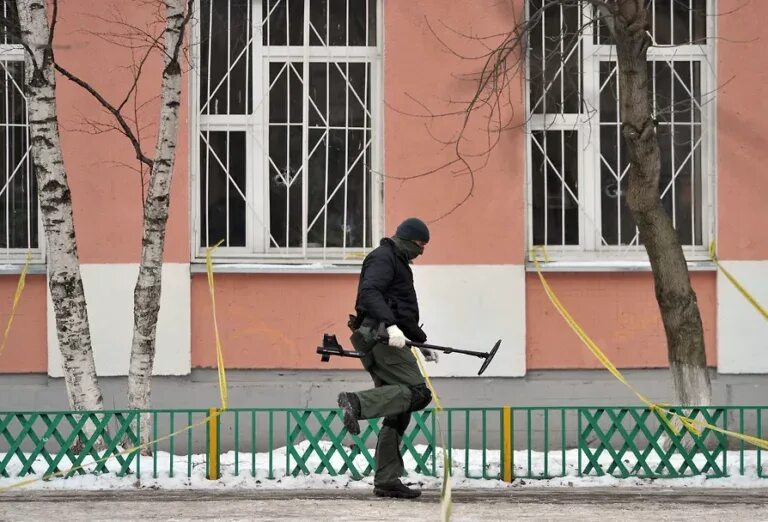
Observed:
{"x":318,"y":389}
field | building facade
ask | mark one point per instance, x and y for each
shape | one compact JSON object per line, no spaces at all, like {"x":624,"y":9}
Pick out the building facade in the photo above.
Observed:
{"x":311,"y":129}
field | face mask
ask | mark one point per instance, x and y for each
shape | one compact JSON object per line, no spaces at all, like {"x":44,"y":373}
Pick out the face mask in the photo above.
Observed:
{"x":414,"y":250}
{"x":410,"y":249}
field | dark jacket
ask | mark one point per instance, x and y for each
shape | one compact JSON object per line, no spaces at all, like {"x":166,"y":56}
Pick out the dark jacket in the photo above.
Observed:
{"x":386,"y":293}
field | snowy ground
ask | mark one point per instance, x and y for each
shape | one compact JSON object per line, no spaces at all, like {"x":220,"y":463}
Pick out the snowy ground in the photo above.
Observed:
{"x":257,"y":477}
{"x":605,"y":504}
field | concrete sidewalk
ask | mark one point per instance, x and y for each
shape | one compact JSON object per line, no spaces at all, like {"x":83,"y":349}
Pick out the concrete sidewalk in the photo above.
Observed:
{"x":620,"y":504}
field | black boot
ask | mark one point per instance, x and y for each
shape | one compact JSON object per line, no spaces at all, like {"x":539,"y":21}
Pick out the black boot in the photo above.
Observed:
{"x":351,"y":406}
{"x":395,"y":490}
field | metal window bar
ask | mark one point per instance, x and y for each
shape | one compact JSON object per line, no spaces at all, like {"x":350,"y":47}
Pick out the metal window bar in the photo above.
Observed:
{"x":229,"y":91}
{"x":672,"y":127}
{"x":694,"y":146}
{"x":672,"y":31}
{"x":346,"y":133}
{"x":558,"y":74}
{"x":327,"y":135}
{"x":618,"y":154}
{"x":309,"y":52}
{"x":33,"y":202}
{"x":675,"y":80}
{"x":692,"y":118}
{"x":366,"y":168}
{"x":7,"y":165}
{"x":679,"y":40}
{"x":207,"y":138}
{"x":20,"y":227}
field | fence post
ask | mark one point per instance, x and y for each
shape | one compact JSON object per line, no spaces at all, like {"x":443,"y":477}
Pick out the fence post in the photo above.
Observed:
{"x":213,"y":444}
{"x":506,"y":429}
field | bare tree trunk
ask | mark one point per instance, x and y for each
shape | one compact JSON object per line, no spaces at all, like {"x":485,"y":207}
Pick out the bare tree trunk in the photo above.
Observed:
{"x":65,"y":283}
{"x":146,"y":296}
{"x":676,"y":298}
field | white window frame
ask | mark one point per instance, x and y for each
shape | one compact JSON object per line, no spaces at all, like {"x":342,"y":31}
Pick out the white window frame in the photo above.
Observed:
{"x":256,"y":126}
{"x":590,"y":253}
{"x":11,"y":259}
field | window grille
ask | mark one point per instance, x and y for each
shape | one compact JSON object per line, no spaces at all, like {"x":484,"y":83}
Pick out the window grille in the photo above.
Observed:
{"x":577,"y":158}
{"x":287,"y":129}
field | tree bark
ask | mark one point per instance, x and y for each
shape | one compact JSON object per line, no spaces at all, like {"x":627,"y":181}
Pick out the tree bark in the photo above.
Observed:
{"x":65,"y":282}
{"x":146,"y":296}
{"x":674,"y":294}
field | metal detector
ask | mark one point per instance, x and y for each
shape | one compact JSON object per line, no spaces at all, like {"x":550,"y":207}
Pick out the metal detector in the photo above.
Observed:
{"x":331,"y":347}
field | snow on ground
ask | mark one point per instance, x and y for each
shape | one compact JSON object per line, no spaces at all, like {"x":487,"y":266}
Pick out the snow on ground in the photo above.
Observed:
{"x":257,"y":477}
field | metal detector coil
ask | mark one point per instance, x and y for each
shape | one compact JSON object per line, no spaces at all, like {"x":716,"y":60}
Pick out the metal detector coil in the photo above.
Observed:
{"x":490,"y":357}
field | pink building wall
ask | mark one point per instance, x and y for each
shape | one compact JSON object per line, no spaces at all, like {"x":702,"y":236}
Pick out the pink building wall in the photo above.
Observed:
{"x":617,"y":310}
{"x":742,"y":133}
{"x":270,"y":320}
{"x":106,"y":191}
{"x":273,"y":321}
{"x":26,"y":350}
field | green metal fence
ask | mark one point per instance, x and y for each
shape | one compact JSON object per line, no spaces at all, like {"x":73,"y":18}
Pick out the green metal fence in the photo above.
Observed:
{"x":541,"y":443}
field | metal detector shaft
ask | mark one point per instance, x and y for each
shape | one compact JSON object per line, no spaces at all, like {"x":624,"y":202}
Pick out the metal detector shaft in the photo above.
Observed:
{"x":446,"y":349}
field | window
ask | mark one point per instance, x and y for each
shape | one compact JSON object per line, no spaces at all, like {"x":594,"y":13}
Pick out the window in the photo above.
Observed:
{"x":19,"y":230}
{"x":287,"y":129}
{"x":577,"y":158}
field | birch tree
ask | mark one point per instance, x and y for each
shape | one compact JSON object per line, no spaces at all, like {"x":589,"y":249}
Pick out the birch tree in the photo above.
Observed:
{"x":628,"y":27}
{"x":146,"y":297}
{"x":175,"y":16}
{"x":64,"y":280}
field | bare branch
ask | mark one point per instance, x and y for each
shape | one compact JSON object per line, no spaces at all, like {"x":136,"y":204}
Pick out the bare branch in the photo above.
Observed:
{"x":502,"y":62}
{"x":124,"y":127}
{"x":54,"y":19}
{"x":133,"y":33}
{"x":136,"y":75}
{"x":421,"y":175}
{"x":125,"y":165}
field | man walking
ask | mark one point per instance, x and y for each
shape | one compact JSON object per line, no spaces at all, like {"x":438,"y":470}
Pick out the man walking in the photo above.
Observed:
{"x":386,"y":300}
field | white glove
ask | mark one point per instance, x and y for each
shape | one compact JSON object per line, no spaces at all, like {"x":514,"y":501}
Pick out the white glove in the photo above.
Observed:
{"x":396,"y":336}
{"x":429,"y":355}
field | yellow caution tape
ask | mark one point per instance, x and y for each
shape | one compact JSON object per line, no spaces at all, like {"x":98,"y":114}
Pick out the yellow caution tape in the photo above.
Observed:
{"x":591,"y":345}
{"x":695,"y":426}
{"x":749,"y":297}
{"x":445,"y":490}
{"x":219,"y":351}
{"x":16,"y":299}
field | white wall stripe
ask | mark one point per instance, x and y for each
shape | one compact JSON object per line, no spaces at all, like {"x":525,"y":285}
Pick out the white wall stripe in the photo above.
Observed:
{"x":471,"y":307}
{"x":742,"y":333}
{"x":109,"y":294}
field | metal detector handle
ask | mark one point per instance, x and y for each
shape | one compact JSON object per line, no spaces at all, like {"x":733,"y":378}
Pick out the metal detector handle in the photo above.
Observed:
{"x":382,"y":336}
{"x":446,"y":349}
